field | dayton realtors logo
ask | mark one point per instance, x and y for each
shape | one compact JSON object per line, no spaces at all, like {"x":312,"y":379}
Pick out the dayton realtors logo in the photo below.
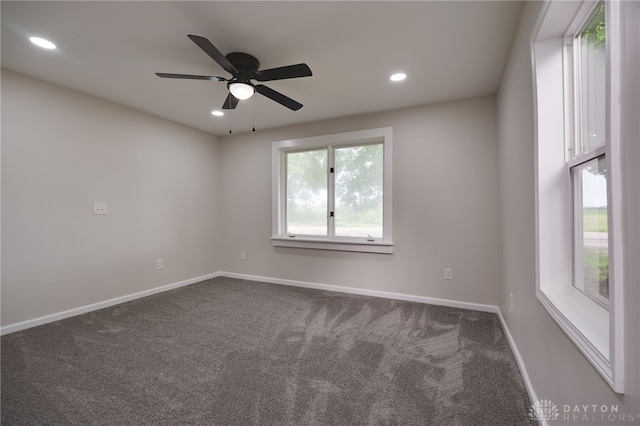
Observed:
{"x":596,"y":413}
{"x":546,"y":410}
{"x":543,"y":409}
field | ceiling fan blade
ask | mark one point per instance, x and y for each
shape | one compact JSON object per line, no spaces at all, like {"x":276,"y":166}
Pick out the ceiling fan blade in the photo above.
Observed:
{"x":215,"y":54}
{"x":191,"y":77}
{"x":278,"y":97}
{"x":280,"y":73}
{"x":231,"y":102}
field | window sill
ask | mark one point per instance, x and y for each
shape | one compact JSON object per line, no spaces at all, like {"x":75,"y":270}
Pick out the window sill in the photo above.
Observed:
{"x":585,"y":322}
{"x":337,"y":245}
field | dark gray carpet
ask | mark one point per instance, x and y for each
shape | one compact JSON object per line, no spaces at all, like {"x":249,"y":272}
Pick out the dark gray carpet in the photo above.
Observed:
{"x":233,"y":352}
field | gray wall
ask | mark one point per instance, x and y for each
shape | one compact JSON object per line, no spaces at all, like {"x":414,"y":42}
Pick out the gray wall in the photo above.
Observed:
{"x":557,"y":369}
{"x":444,"y":205}
{"x":61,"y":151}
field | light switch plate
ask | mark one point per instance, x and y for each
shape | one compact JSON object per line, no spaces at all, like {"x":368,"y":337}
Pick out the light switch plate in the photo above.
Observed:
{"x":448,"y":273}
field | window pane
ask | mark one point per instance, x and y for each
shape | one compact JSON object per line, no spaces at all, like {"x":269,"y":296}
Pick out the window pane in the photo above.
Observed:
{"x":592,"y":272}
{"x":592,"y":77}
{"x":307,"y":192}
{"x":358,"y":191}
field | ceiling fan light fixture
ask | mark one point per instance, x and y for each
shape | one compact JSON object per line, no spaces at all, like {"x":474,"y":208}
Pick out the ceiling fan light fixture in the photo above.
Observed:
{"x":241,"y":90}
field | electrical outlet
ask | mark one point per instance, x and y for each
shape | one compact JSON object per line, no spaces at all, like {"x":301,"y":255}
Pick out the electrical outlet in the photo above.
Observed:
{"x":99,"y":207}
{"x":159,"y":264}
{"x":448,"y":273}
{"x":243,"y":256}
{"x":511,"y":301}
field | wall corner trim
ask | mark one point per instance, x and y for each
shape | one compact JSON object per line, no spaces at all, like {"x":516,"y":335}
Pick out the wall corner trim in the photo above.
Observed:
{"x":11,"y":328}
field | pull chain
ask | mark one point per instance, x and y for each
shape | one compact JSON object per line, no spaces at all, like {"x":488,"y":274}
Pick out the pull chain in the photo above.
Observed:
{"x":253,"y":107}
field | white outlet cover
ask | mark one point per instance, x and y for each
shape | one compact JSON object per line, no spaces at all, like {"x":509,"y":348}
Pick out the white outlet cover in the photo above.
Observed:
{"x":99,"y":207}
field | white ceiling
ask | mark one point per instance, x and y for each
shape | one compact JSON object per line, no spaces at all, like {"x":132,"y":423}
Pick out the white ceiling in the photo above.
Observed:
{"x":449,"y":50}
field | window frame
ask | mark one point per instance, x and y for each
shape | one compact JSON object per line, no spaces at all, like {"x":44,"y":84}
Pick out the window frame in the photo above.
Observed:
{"x":279,"y":238}
{"x":598,"y":333}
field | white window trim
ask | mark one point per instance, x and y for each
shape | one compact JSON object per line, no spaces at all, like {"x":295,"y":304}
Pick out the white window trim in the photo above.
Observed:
{"x":280,"y":239}
{"x":598,"y":333}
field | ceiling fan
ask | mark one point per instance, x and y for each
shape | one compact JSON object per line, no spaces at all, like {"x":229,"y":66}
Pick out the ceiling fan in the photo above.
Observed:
{"x":244,"y":68}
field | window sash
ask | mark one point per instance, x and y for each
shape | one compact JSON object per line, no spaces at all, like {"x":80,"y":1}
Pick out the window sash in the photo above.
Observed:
{"x":577,"y":214}
{"x":288,"y":209}
{"x":581,"y":123}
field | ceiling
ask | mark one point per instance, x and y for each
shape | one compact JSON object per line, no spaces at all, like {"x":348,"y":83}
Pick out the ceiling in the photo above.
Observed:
{"x":449,"y":50}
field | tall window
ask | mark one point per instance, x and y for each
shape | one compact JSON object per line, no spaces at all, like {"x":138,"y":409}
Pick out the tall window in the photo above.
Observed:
{"x":576,"y":54}
{"x":334,"y":192}
{"x":587,"y":165}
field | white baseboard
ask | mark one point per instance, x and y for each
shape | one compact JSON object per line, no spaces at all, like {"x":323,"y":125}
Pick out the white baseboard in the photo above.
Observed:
{"x":520,"y":361}
{"x":367,"y":292}
{"x":100,"y":305}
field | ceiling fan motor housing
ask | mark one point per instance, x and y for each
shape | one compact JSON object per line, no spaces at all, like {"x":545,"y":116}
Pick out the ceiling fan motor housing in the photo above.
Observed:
{"x":246,"y":65}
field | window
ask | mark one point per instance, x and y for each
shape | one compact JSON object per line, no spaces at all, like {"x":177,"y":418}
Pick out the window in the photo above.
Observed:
{"x":578,"y":254}
{"x":587,"y":165}
{"x":334,"y":192}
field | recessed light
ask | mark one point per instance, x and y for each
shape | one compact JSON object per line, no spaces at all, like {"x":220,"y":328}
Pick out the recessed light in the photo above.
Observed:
{"x":217,"y":113}
{"x":45,"y":44}
{"x":398,"y":76}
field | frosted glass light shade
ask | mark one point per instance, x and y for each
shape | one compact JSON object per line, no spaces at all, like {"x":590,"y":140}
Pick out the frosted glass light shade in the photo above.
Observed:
{"x":241,"y":90}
